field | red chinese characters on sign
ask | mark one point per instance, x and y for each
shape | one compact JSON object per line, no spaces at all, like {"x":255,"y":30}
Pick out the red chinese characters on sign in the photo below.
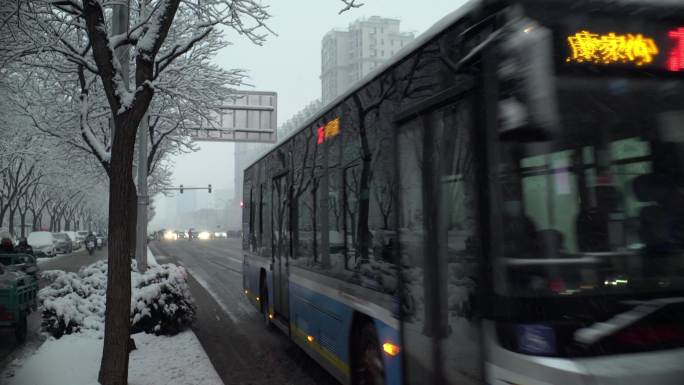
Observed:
{"x":332,"y":128}
{"x":675,"y":61}
{"x":320,"y":133}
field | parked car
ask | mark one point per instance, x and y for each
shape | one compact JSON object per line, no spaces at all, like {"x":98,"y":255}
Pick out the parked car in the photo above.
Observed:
{"x":62,"y":243}
{"x":101,"y":240}
{"x":42,"y":243}
{"x":81,"y":235}
{"x":75,"y":242}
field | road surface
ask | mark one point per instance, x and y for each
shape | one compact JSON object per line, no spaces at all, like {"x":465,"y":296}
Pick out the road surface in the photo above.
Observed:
{"x":241,"y":348}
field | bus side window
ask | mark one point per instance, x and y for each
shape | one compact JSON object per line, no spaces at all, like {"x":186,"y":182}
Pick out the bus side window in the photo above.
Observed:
{"x":440,"y":246}
{"x":304,"y":187}
{"x":251,"y":236}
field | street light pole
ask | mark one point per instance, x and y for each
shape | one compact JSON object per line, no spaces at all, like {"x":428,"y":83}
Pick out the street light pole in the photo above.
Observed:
{"x":120,"y":25}
{"x":141,"y":238}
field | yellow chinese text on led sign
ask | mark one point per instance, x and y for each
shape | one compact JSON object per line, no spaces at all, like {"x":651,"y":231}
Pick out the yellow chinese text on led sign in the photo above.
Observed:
{"x":610,"y":48}
{"x":330,"y":129}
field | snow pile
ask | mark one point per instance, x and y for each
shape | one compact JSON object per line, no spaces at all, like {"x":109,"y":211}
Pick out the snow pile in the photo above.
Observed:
{"x":75,"y":302}
{"x":75,"y":360}
{"x":161,"y":302}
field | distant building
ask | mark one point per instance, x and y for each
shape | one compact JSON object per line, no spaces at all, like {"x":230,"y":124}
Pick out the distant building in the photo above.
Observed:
{"x":348,"y":55}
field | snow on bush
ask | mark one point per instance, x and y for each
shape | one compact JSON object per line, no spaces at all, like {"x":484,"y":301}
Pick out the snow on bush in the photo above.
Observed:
{"x":75,"y":302}
{"x":161,"y":302}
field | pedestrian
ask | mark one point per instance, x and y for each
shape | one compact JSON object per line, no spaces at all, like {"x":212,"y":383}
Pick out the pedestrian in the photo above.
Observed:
{"x":23,"y":247}
{"x":6,"y":244}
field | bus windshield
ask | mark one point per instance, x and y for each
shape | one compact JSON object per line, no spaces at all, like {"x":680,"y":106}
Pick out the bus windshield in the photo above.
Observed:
{"x":598,"y":208}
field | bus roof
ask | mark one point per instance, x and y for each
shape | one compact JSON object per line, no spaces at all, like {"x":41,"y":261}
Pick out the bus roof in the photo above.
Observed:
{"x":444,"y":23}
{"x":416,"y":43}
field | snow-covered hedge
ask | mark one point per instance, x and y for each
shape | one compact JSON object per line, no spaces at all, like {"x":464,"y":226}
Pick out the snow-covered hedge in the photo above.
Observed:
{"x":75,"y":302}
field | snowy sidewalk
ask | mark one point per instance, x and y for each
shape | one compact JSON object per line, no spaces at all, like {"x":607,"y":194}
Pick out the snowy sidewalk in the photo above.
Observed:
{"x":75,"y":360}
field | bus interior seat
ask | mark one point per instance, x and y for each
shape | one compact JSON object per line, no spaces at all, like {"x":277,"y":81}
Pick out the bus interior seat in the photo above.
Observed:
{"x":520,"y":237}
{"x":551,"y":243}
{"x":662,"y":222}
{"x":592,"y":229}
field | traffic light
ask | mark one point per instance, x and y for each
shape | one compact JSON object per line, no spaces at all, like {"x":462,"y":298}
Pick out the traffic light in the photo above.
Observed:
{"x":181,"y":189}
{"x":209,"y":189}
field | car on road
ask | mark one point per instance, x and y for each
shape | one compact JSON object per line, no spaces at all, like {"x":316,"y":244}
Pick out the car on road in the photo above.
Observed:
{"x":81,"y":235}
{"x":42,"y":243}
{"x":180,"y":235}
{"x":234,"y":233}
{"x":62,"y":243}
{"x":76,"y":243}
{"x":219,"y":234}
{"x":101,"y":240}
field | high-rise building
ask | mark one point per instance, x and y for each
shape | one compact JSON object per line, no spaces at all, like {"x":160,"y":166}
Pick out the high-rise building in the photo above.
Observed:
{"x":348,"y":55}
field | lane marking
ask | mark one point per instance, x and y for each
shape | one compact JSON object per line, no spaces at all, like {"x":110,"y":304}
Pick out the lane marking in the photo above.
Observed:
{"x":216,"y":298}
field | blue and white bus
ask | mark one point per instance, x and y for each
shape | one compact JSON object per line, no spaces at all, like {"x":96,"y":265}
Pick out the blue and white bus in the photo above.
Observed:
{"x":500,"y":203}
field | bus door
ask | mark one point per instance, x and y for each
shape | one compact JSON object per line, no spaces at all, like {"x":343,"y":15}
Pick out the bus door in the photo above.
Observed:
{"x":280,"y":215}
{"x":439,"y":246}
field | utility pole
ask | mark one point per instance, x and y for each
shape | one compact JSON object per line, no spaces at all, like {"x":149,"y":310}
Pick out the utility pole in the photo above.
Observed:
{"x":120,"y":25}
{"x":141,"y":238}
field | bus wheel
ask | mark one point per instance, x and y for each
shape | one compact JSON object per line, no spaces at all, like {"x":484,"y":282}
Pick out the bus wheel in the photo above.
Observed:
{"x":368,"y":366}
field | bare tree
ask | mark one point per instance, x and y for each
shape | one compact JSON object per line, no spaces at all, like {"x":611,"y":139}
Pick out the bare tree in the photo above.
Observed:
{"x":77,"y":31}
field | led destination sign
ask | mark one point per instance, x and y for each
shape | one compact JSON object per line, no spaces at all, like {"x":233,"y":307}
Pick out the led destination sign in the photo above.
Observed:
{"x":612,"y":48}
{"x":661,"y":49}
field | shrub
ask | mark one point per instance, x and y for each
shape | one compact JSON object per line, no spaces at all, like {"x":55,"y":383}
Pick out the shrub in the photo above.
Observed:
{"x":161,"y":302}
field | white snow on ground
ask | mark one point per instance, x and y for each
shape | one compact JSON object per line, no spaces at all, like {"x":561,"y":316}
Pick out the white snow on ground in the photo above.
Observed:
{"x":41,"y":261}
{"x":151,"y":260}
{"x":75,"y":360}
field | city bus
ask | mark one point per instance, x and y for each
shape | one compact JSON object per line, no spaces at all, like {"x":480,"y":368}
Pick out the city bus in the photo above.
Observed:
{"x":500,"y":203}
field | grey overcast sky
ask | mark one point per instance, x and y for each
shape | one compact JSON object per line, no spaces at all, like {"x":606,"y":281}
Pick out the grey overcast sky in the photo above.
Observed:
{"x":290,"y":64}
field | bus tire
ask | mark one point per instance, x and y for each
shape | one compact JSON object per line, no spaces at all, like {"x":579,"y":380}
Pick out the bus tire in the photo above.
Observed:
{"x":21,"y":328}
{"x":368,"y":367}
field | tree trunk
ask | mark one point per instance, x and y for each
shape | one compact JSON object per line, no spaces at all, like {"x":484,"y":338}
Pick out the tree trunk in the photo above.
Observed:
{"x":23,"y":224}
{"x":11,"y":220}
{"x":122,"y":213}
{"x":3,"y":211}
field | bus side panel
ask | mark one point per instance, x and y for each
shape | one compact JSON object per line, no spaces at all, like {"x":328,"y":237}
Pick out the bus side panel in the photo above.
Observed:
{"x":250,"y":279}
{"x":326,"y":320}
{"x":329,"y":321}
{"x":388,"y":334}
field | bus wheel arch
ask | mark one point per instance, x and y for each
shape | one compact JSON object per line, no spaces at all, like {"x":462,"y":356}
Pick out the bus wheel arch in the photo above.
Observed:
{"x":365,"y":356}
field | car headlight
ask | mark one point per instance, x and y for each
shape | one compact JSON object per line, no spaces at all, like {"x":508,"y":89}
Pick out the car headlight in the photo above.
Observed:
{"x":204,"y":235}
